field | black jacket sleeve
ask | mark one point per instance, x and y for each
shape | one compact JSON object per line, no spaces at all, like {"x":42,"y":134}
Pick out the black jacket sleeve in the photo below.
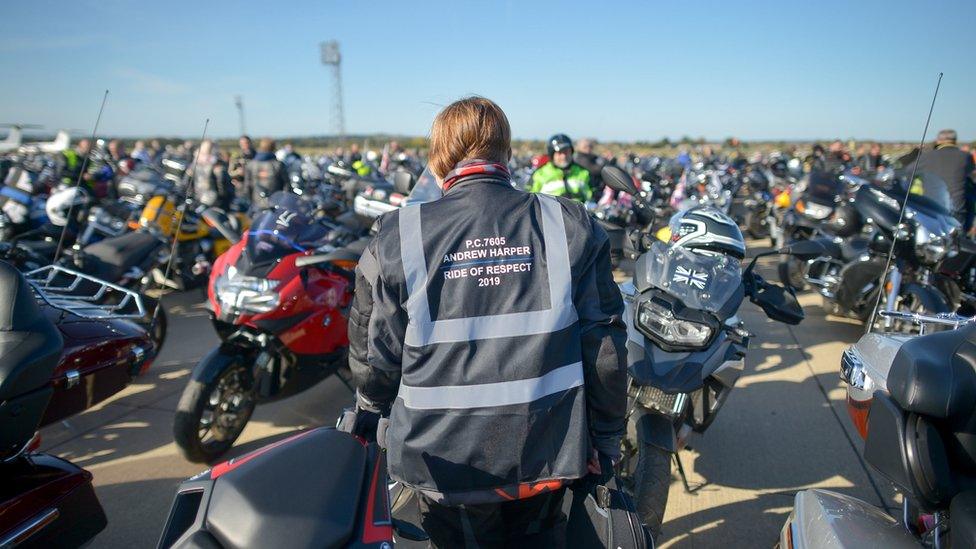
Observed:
{"x":604,"y":336}
{"x":377,"y":324}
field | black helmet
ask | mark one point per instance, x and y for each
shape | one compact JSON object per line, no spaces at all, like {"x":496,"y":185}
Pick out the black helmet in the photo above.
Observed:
{"x":707,"y":230}
{"x":558,"y":142}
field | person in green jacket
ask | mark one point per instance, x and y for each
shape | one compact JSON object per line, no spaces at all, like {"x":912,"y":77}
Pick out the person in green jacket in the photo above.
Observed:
{"x":561,"y":176}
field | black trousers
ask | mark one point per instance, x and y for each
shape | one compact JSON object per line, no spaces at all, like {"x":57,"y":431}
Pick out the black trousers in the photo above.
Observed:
{"x":533,"y":522}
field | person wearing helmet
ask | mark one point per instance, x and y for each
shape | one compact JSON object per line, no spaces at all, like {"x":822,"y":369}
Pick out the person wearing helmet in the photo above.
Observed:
{"x":365,"y":165}
{"x":561,"y":176}
{"x":707,"y":230}
{"x":264,"y":175}
{"x":70,"y":160}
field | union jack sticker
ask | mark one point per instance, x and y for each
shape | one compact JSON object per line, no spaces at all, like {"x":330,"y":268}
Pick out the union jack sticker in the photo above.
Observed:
{"x":684,"y":275}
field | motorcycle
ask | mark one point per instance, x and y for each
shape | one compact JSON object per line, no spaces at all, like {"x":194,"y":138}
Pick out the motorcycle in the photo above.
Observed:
{"x":768,"y":199}
{"x":284,"y":495}
{"x":61,"y":353}
{"x":825,"y":208}
{"x":850,"y":274}
{"x":686,"y":348}
{"x":909,"y":407}
{"x":280,"y":312}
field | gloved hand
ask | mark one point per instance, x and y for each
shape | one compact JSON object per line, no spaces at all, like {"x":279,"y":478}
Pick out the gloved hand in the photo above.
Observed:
{"x":359,"y":422}
{"x":600,"y":467}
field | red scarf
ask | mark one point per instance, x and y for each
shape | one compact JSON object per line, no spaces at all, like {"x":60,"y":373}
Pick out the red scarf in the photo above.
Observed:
{"x":474,"y":167}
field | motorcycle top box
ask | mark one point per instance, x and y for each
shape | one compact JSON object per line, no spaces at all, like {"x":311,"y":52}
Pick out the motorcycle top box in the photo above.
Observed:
{"x":320,"y":488}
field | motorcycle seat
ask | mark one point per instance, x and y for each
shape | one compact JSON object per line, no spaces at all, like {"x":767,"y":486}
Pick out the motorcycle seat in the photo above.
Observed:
{"x":289,"y":492}
{"x":30,"y":349}
{"x":109,"y":259}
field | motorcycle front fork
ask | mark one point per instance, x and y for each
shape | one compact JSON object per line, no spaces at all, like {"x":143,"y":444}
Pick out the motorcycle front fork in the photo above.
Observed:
{"x":894,"y":279}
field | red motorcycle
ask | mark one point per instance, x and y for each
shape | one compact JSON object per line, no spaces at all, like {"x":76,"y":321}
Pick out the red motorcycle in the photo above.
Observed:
{"x":60,"y":352}
{"x":281,"y":314}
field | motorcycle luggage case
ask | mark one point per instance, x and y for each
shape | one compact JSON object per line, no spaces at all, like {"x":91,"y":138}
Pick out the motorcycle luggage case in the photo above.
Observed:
{"x":320,"y":488}
{"x":47,"y":502}
{"x":605,"y":517}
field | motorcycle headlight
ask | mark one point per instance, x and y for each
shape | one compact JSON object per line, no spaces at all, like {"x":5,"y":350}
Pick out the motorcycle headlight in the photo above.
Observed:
{"x":935,"y":250}
{"x":246,"y":294}
{"x":658,"y":322}
{"x":931,"y":248}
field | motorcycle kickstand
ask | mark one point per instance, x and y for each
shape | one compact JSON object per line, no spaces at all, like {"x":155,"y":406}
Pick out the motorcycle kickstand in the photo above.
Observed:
{"x":684,"y":477}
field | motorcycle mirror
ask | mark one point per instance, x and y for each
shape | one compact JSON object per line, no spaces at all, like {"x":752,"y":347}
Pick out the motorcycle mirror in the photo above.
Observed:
{"x":403,"y":182}
{"x":778,"y":303}
{"x":618,"y":180}
{"x":805,"y":249}
{"x":410,"y":531}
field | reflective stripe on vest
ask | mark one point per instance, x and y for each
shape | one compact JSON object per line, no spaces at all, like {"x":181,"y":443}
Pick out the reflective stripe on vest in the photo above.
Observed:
{"x":486,"y":395}
{"x":421,"y":330}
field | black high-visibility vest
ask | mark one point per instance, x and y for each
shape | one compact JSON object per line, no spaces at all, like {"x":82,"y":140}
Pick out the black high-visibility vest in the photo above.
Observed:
{"x":491,"y":395}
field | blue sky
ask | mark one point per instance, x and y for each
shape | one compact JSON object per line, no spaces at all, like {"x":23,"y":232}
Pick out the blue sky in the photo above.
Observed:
{"x":627,"y":70}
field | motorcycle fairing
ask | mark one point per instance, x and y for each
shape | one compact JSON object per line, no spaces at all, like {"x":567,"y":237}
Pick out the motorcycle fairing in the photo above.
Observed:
{"x":822,"y":519}
{"x":285,"y":495}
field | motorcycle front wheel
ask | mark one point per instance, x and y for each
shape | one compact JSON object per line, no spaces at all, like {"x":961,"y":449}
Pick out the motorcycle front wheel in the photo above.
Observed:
{"x":652,"y":481}
{"x":211,"y":416}
{"x":648,"y":479}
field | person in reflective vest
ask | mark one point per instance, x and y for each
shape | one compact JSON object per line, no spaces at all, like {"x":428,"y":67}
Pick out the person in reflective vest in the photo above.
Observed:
{"x":562,"y":176}
{"x":487,"y":326}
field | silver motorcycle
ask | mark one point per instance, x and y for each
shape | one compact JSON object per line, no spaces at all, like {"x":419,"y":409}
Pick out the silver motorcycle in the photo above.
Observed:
{"x":911,"y":399}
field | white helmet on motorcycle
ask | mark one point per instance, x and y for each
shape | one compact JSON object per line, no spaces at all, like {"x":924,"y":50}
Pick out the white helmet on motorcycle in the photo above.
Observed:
{"x":61,"y":201}
{"x":707,"y":230}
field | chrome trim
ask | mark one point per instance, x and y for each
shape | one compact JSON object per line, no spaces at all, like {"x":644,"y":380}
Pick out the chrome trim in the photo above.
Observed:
{"x":34,"y":526}
{"x":72,"y":379}
{"x":944,"y":319}
{"x":59,"y":287}
{"x":852,"y":368}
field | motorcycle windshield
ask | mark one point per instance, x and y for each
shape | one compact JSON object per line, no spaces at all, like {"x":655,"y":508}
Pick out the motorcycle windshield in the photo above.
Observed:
{"x":284,"y":227}
{"x":931,"y":206}
{"x":425,"y":190}
{"x":824,"y":187}
{"x":928,"y":185}
{"x":704,"y":282}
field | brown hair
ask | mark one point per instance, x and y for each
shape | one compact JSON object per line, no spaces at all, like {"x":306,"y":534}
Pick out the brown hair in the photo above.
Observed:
{"x":473,"y":127}
{"x":267,"y":145}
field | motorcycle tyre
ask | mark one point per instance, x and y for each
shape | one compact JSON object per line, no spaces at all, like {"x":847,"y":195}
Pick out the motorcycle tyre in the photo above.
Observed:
{"x":187,"y":421}
{"x":652,"y":483}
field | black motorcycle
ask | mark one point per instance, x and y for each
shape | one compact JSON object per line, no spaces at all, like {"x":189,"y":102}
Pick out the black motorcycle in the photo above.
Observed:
{"x":851,"y":273}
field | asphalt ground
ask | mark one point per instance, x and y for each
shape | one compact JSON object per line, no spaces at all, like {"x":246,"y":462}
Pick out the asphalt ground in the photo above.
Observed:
{"x":784,"y":428}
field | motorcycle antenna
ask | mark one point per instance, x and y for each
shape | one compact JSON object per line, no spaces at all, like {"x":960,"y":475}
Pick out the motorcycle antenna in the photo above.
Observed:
{"x":81,"y":173}
{"x":180,"y":214}
{"x":904,"y":204}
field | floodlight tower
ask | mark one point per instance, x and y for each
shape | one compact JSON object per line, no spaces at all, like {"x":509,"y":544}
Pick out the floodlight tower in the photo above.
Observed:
{"x":239,"y":101}
{"x":332,"y":58}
